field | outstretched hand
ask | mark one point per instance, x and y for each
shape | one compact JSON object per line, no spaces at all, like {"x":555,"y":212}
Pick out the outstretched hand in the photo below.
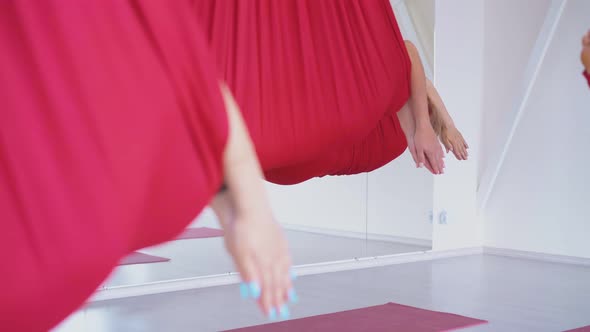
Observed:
{"x":426,"y":150}
{"x":260,"y":253}
{"x":454,"y":142}
{"x":252,"y":237}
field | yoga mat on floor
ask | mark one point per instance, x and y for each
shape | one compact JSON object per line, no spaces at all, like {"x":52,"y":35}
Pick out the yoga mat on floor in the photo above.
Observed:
{"x":199,"y":233}
{"x":580,"y":329}
{"x":141,"y":258}
{"x":383,"y":318}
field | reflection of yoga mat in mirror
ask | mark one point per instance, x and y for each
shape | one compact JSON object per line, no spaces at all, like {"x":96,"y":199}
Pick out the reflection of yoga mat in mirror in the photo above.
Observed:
{"x":141,"y":258}
{"x":581,"y":329}
{"x":189,"y":233}
{"x":199,"y":233}
{"x":383,"y":318}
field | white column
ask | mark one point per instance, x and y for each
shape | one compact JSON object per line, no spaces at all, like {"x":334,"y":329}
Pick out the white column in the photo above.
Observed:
{"x":458,"y":73}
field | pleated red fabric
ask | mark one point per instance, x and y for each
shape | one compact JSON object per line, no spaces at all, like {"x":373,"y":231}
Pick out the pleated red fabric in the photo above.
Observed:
{"x":112,"y":130}
{"x":319,"y":82}
{"x":385,"y":143}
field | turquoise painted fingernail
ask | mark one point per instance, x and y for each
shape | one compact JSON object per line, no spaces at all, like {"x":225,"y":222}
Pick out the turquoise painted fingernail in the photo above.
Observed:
{"x":254,"y":290}
{"x":293,"y":295}
{"x":244,"y":292}
{"x":284,"y":312}
{"x":272,"y":314}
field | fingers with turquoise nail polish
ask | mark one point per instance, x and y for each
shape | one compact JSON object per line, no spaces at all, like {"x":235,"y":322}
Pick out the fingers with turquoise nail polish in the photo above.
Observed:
{"x":244,"y":290}
{"x":293,"y":298}
{"x":272,"y":314}
{"x":250,"y":285}
{"x":284,"y":312}
{"x":267,"y":297}
{"x":254,"y":289}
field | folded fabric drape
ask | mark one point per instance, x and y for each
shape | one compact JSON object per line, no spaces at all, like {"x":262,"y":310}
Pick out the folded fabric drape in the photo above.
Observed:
{"x":112,"y":130}
{"x":319,"y":82}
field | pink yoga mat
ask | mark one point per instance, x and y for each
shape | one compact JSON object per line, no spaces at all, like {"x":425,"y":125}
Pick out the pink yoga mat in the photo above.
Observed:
{"x":141,"y":258}
{"x":199,"y":233}
{"x":580,"y":329}
{"x":383,"y":318}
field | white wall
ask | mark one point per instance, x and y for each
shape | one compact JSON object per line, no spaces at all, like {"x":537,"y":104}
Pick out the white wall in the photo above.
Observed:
{"x":540,"y":199}
{"x":511,"y":28}
{"x":458,"y":73}
{"x":326,"y":204}
{"x":330,"y":203}
{"x":399,"y":200}
{"x":333,"y":203}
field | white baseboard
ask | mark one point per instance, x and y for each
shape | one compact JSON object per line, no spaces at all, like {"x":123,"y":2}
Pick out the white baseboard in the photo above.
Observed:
{"x":167,"y":286}
{"x":360,"y":235}
{"x":118,"y":292}
{"x":562,"y":259}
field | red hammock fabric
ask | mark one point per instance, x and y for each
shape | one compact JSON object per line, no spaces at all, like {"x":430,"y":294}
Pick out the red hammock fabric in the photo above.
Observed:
{"x":319,"y":82}
{"x":587,"y":75}
{"x":112,"y":129}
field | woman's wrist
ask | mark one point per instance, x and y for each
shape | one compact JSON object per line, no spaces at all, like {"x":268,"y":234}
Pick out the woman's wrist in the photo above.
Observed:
{"x":448,"y":123}
{"x":242,"y":172}
{"x":223,"y":209}
{"x":423,"y":125}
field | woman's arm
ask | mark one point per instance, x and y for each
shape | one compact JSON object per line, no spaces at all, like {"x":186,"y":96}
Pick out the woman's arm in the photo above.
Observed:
{"x":438,"y":103}
{"x":252,"y":237}
{"x":448,"y":133}
{"x":418,"y":99}
{"x":427,"y":148}
{"x":242,"y":174}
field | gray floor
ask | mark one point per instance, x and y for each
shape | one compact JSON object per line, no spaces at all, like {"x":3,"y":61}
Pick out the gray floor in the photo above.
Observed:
{"x":200,"y":257}
{"x":512,"y":294}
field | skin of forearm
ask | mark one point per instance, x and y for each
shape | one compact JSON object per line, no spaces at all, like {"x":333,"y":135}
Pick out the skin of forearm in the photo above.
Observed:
{"x":242,"y":173}
{"x":418,"y":99}
{"x":406,"y":120}
{"x":440,"y":105}
{"x":223,"y":208}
